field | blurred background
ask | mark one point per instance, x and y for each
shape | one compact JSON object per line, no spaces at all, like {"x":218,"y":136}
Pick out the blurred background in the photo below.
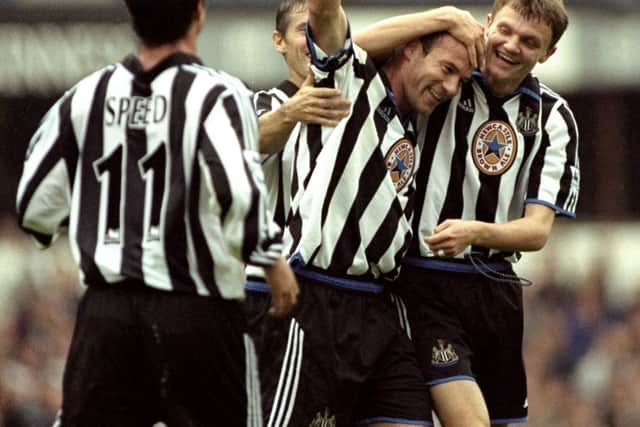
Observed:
{"x":582,"y":343}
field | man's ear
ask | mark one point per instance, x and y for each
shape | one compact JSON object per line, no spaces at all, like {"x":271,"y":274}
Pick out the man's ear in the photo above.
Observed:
{"x":410,"y":49}
{"x":548,"y":55}
{"x":278,"y":42}
{"x":201,"y":13}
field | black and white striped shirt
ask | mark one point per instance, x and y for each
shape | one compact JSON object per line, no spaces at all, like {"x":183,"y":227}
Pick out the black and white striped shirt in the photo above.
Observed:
{"x":352,"y":185}
{"x":277,"y":166}
{"x":485,"y":157}
{"x":157,"y":176}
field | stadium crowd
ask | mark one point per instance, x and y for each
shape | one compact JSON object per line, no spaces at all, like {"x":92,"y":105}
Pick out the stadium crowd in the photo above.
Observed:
{"x":582,"y":353}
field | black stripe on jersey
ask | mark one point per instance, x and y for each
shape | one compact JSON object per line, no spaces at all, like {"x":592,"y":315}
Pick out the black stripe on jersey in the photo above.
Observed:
{"x":349,"y":240}
{"x":314,"y":132}
{"x":454,"y":200}
{"x":434,"y":127}
{"x":547,"y":102}
{"x":567,"y":175}
{"x":136,"y":146}
{"x":263,"y":103}
{"x":174,"y":225}
{"x":251,"y":220}
{"x":376,"y":172}
{"x":234,"y":117}
{"x":88,"y":228}
{"x":279,"y":214}
{"x":203,"y":256}
{"x":66,"y":147}
{"x":215,"y":164}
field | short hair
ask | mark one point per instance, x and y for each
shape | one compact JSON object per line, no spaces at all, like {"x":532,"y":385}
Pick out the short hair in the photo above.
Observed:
{"x":551,"y":12}
{"x":285,"y":9}
{"x":428,"y":40}
{"x":157,"y":22}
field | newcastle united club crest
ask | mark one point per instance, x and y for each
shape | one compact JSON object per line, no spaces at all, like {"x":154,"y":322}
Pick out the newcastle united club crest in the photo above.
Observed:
{"x":527,"y":122}
{"x":443,"y":354}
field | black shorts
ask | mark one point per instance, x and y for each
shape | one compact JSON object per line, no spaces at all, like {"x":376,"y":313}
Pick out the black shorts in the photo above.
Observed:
{"x":466,"y":326}
{"x":341,"y":359}
{"x":140,"y":356}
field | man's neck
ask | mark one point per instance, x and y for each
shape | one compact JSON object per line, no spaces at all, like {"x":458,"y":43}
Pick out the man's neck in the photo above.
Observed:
{"x":151,"y":56}
{"x":500,"y":88}
{"x":391,"y":71}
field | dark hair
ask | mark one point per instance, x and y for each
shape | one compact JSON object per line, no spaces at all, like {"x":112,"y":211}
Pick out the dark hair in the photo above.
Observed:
{"x":284,"y":11}
{"x":428,"y":40}
{"x":158,"y":22}
{"x":551,"y":12}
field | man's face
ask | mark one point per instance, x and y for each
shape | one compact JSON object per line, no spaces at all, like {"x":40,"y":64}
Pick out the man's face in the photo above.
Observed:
{"x":435,"y":77}
{"x":293,"y":45}
{"x":514,"y":46}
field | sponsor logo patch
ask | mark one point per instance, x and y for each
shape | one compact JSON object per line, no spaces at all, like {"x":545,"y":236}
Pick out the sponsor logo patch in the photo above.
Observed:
{"x":443,"y":354}
{"x":494,"y":147}
{"x":401,"y":161}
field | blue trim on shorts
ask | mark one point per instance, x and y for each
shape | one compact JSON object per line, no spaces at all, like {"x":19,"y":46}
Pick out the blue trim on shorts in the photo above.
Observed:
{"x":451,"y":379}
{"x":395,"y":420}
{"x":298,"y":266}
{"x":458,"y":267}
{"x":256,"y":286}
{"x":509,"y":420}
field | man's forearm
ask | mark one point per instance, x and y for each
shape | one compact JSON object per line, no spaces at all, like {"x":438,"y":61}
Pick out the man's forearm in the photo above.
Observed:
{"x":381,"y":38}
{"x":275,"y":128}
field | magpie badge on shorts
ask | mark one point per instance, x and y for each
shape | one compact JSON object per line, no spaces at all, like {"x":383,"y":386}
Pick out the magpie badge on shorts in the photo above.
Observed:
{"x":494,"y":147}
{"x":443,"y":354}
{"x":323,"y":420}
{"x":401,"y":161}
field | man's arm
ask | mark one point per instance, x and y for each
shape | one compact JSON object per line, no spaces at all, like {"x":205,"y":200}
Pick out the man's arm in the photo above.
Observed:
{"x":321,"y":106}
{"x":44,"y":191}
{"x":328,"y":24}
{"x":529,"y":233}
{"x":234,"y":175}
{"x":381,"y":38}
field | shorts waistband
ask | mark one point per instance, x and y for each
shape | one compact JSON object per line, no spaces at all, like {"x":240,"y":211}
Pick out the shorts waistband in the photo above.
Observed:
{"x":458,"y":266}
{"x":254,"y":285}
{"x":365,"y":285}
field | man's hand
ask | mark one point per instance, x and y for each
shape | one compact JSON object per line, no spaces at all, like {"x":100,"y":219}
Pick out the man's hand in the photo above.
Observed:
{"x":464,"y":27}
{"x":316,"y":105}
{"x":451,"y":237}
{"x":284,"y":288}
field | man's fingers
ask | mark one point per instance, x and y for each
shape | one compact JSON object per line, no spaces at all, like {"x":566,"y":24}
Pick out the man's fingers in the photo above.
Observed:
{"x":473,"y":56}
{"x":480,"y":51}
{"x":323,"y":92}
{"x":283,"y":303}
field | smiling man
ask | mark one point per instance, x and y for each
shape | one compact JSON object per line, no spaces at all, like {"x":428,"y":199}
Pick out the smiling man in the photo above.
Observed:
{"x":499,"y":162}
{"x":343,"y":359}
